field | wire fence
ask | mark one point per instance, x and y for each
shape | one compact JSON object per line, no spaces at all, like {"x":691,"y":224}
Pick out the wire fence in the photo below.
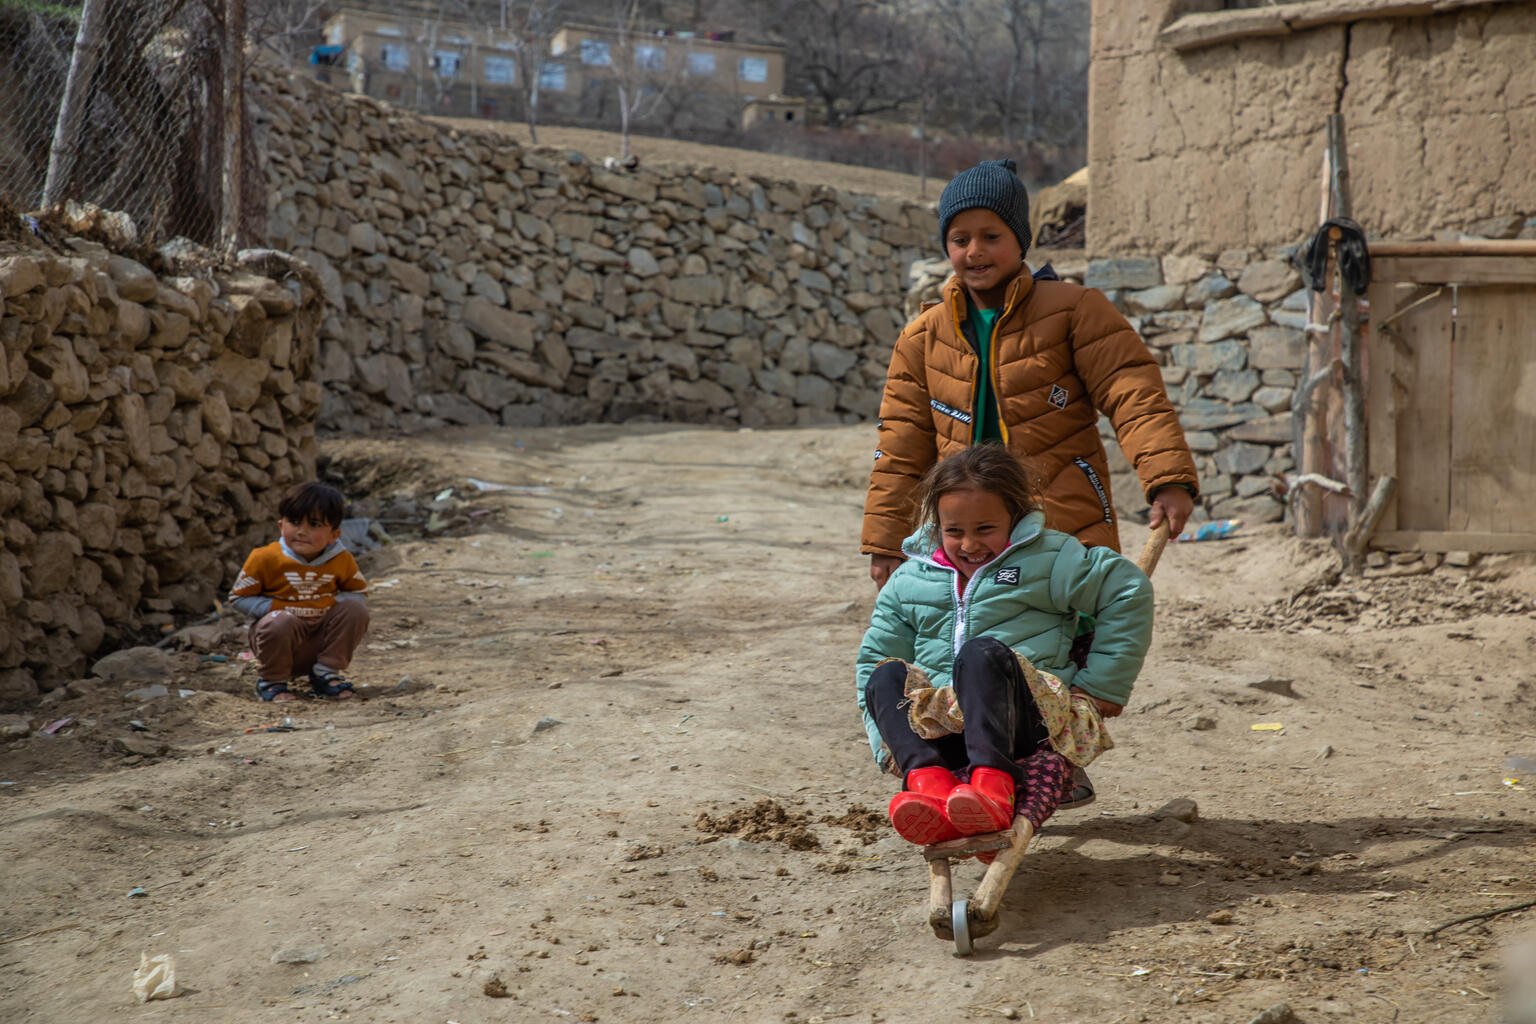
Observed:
{"x":127,"y":105}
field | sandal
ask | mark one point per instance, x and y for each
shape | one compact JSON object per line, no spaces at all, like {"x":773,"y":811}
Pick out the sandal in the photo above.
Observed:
{"x":1081,"y":794}
{"x":331,"y":686}
{"x":274,"y":691}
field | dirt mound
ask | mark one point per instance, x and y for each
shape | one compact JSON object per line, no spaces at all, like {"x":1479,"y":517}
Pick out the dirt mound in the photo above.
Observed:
{"x":764,"y":822}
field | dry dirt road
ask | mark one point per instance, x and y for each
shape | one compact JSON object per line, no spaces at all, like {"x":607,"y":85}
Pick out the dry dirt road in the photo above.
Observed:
{"x":625,"y":781}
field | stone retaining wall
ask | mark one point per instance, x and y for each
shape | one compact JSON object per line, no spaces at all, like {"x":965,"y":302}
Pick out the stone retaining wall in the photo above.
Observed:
{"x":1229,"y":334}
{"x":147,"y":427}
{"x":469,"y":279}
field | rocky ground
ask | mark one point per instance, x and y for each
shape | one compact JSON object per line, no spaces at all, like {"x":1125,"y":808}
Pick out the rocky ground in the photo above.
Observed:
{"x":608,"y":767}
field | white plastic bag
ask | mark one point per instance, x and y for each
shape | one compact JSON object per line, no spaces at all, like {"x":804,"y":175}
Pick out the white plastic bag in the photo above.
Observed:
{"x":155,"y":978}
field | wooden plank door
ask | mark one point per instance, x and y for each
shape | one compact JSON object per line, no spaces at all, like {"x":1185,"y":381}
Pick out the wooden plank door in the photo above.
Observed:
{"x":1492,"y":470}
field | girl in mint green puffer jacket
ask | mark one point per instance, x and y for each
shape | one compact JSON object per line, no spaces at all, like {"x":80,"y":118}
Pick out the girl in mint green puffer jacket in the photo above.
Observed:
{"x":965,"y":679}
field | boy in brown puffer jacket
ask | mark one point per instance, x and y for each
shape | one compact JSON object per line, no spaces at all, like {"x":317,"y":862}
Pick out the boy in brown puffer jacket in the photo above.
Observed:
{"x":1005,"y":358}
{"x":1008,"y":359}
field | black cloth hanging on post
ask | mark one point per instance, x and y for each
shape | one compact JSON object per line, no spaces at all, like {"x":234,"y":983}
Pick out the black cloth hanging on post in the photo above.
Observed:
{"x":1354,"y":256}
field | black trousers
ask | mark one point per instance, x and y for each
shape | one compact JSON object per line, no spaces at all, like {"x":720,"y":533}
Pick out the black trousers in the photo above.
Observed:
{"x":1002,"y":724}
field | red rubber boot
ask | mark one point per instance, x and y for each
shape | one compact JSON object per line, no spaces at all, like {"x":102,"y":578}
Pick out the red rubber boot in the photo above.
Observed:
{"x":985,"y":804}
{"x":917,"y":813}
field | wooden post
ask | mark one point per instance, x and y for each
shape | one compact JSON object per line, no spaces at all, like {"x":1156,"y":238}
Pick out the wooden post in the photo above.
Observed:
{"x":234,"y":121}
{"x":66,"y":129}
{"x":1350,"y":349}
{"x":1360,"y":532}
{"x":1307,"y":436}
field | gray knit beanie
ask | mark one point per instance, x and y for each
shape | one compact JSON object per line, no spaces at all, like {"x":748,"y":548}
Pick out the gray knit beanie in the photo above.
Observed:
{"x":992,"y":185}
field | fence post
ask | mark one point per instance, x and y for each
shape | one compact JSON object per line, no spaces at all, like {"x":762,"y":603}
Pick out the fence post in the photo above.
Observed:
{"x":66,"y":130}
{"x":234,"y":121}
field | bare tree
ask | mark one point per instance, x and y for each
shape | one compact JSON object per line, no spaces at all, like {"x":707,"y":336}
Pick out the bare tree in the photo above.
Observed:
{"x":1031,"y":61}
{"x":530,"y":24}
{"x":285,"y":26}
{"x":848,"y":54}
{"x":640,"y":71}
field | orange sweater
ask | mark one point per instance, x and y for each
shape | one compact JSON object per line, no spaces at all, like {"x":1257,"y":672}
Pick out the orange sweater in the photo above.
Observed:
{"x":307,"y":589}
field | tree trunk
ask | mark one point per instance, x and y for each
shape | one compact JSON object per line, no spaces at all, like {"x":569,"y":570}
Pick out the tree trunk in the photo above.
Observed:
{"x":234,"y":121}
{"x":66,"y":134}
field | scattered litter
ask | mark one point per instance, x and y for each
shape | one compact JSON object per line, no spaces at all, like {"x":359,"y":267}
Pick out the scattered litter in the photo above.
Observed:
{"x":286,"y":725}
{"x":217,"y":659}
{"x":247,"y":655}
{"x":1267,"y":726}
{"x":379,"y":586}
{"x":474,"y":512}
{"x":541,"y":554}
{"x":169,"y":627}
{"x":545,"y":723}
{"x":1214,"y":530}
{"x":147,"y":692}
{"x":137,"y":890}
{"x":1138,"y":972}
{"x":486,"y":485}
{"x":155,"y":978}
{"x":53,"y":727}
{"x":444,"y":494}
{"x":137,"y":726}
{"x":185,"y":693}
{"x":722,"y":519}
{"x":1513,"y":783}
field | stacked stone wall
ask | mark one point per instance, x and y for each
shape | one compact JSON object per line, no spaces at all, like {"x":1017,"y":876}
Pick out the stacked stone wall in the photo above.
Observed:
{"x":471,"y":280}
{"x":147,"y":427}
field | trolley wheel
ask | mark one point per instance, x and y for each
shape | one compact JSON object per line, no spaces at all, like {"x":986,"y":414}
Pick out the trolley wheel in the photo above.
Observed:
{"x":962,"y":928}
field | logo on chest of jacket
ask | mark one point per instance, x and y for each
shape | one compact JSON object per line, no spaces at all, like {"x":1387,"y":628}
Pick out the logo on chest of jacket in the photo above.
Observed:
{"x":1007,"y":576}
{"x":1058,"y":396}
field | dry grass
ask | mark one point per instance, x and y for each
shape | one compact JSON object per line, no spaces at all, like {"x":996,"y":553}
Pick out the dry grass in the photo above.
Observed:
{"x":653,"y":152}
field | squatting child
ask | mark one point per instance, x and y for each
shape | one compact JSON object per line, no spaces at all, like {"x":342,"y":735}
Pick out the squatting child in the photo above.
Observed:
{"x":966,"y":679}
{"x":305,"y":596}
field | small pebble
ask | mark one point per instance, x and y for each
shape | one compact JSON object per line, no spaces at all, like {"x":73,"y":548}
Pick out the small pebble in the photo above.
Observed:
{"x":1219,"y":917}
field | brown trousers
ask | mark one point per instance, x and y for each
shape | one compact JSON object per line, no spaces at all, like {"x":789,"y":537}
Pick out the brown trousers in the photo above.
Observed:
{"x":286,"y":645}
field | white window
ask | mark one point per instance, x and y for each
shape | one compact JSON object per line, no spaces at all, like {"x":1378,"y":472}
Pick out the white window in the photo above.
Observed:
{"x":650,"y":58}
{"x":395,"y":57}
{"x":500,"y":70}
{"x":753,"y":69}
{"x":334,"y":36}
{"x":389,"y":30}
{"x":701,"y":63}
{"x":595,"y":51}
{"x":446,"y":62}
{"x":552,"y":77}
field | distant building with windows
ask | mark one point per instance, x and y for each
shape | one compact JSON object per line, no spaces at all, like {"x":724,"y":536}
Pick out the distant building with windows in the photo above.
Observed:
{"x":438,"y":66}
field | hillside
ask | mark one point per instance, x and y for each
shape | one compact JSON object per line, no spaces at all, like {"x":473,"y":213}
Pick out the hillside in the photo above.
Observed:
{"x":653,"y":151}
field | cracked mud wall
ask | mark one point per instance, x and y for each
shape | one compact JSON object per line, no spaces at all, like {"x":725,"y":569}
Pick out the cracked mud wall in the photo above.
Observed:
{"x":1221,"y":147}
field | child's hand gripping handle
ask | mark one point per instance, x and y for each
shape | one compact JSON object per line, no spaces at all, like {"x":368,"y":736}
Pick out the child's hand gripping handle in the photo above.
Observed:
{"x":1156,"y":541}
